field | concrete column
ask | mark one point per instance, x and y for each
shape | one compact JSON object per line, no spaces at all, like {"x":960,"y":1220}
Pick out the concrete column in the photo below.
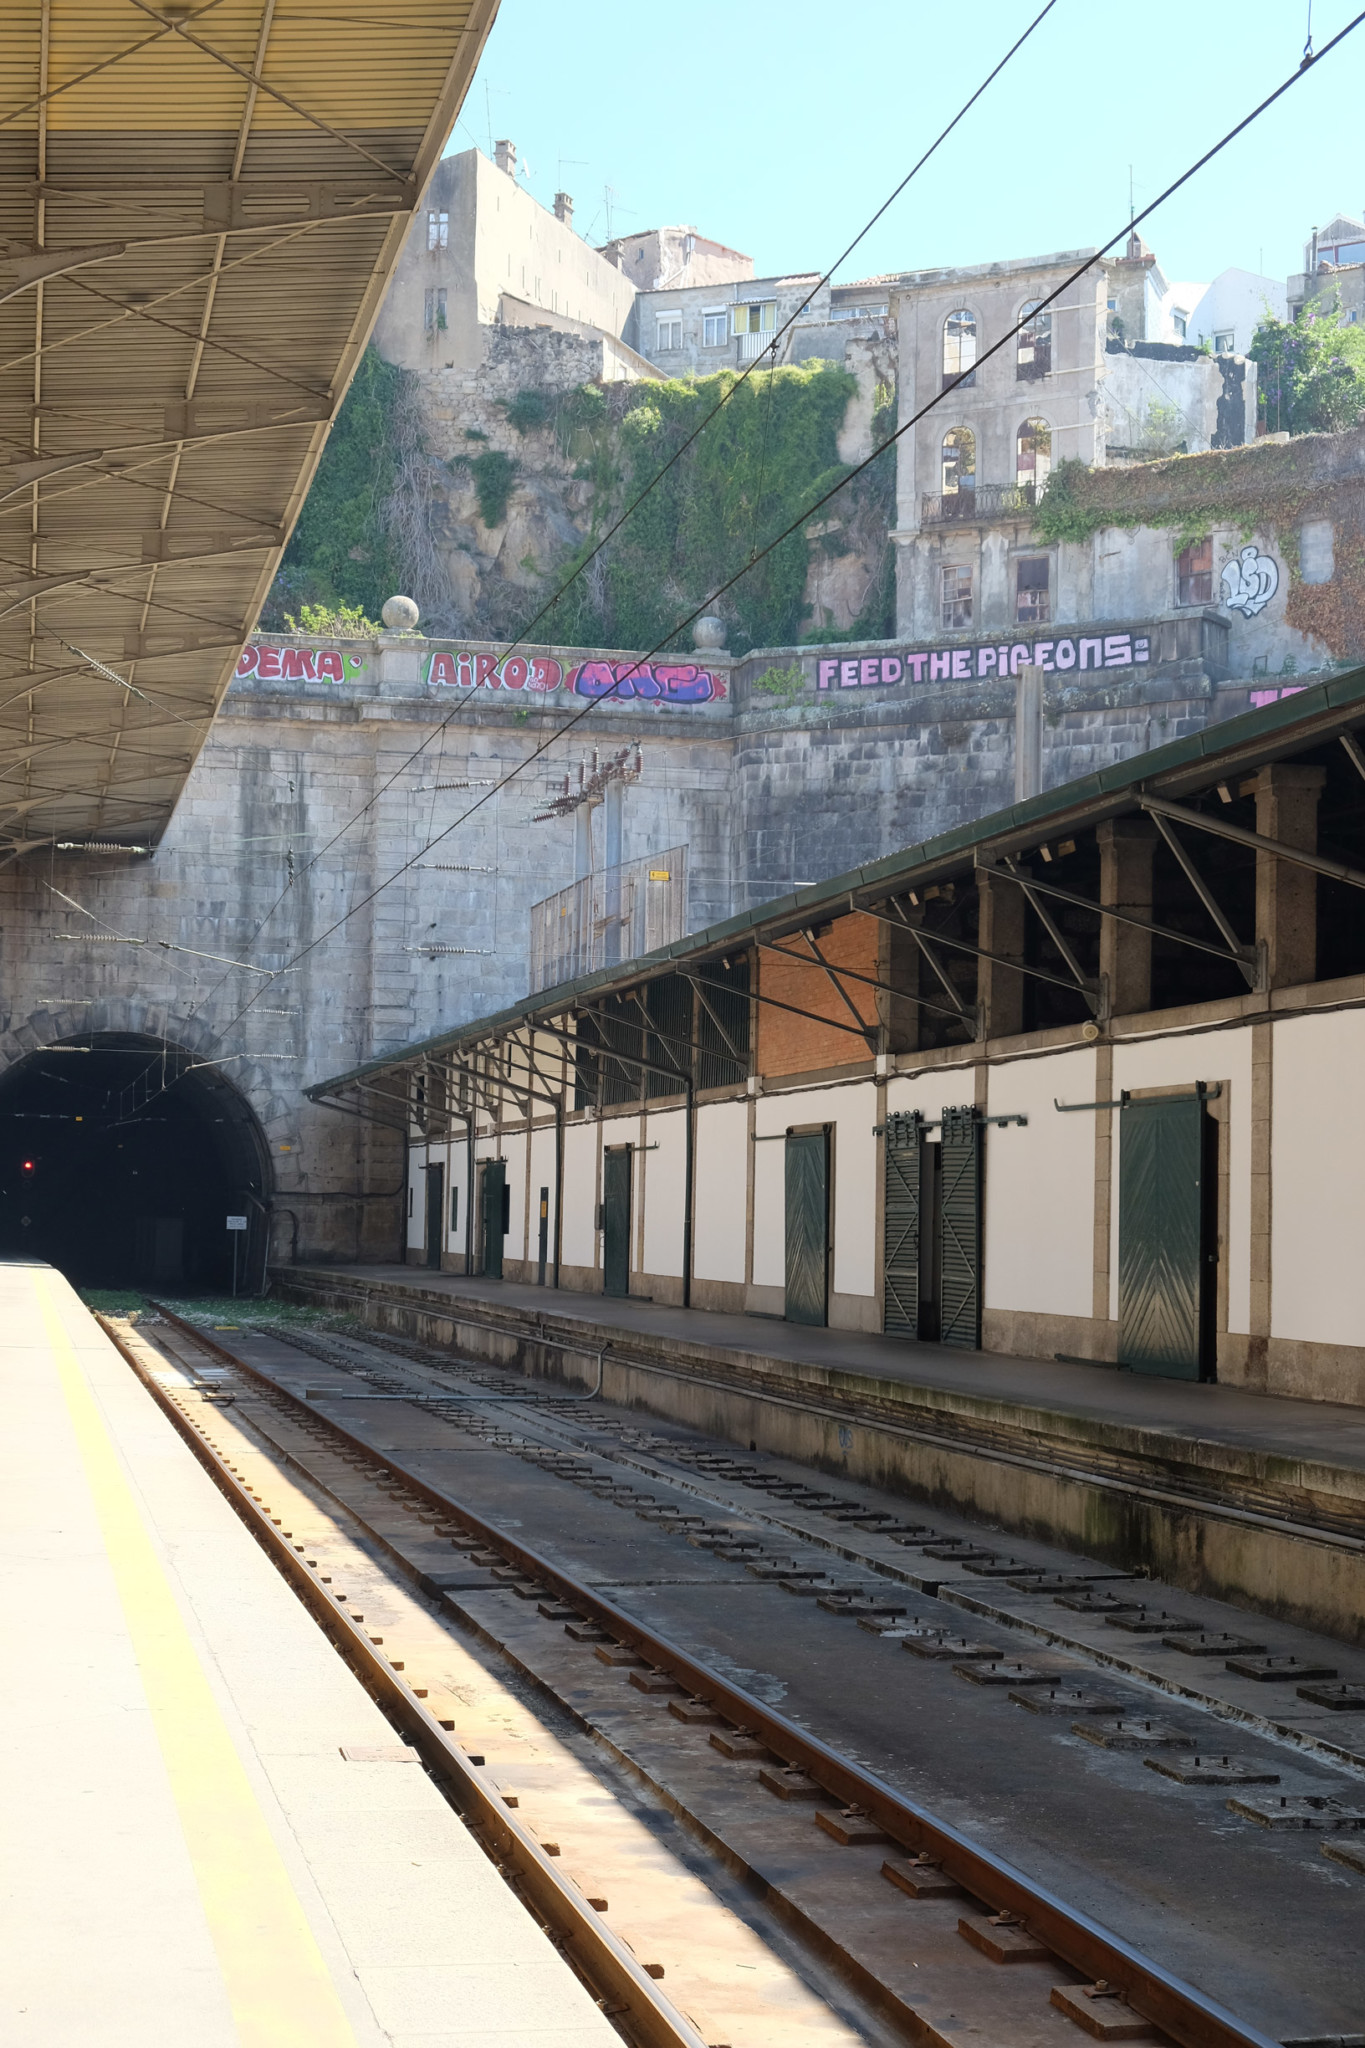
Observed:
{"x":1028,"y":733}
{"x":1126,"y":849}
{"x":1287,"y":895}
{"x":1000,"y":930}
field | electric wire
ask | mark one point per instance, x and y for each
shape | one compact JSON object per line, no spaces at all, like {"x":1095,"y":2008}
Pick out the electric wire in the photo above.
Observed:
{"x":628,"y":512}
{"x":795,"y":525}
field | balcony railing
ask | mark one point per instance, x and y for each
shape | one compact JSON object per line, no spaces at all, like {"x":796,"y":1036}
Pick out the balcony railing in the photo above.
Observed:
{"x":992,"y":501}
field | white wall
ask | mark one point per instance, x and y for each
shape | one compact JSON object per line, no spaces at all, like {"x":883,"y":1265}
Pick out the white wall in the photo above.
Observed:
{"x":1179,"y":1062}
{"x":1318,"y":1179}
{"x":662,"y":1185}
{"x":579,"y":1245}
{"x":1039,"y":1249}
{"x":852,"y":1111}
{"x":721,"y":1171}
{"x":417,"y":1195}
{"x":1236,"y":301}
{"x":514,"y":1151}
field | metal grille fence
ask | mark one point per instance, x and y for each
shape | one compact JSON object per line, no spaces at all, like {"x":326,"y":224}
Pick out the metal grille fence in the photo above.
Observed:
{"x":614,"y":915}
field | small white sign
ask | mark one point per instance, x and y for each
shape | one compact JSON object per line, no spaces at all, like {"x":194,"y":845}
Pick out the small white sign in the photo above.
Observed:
{"x":236,"y":1223}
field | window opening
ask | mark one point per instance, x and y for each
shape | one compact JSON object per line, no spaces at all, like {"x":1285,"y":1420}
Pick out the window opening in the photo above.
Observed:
{"x":1033,"y":354}
{"x":1031,"y":591}
{"x":438,"y":231}
{"x":715,"y":327}
{"x":1194,"y":573}
{"x":959,"y":461}
{"x":1033,"y":457}
{"x":1225,"y":344}
{"x":760,"y":318}
{"x":670,"y":332}
{"x":959,"y":346}
{"x":956,"y":605}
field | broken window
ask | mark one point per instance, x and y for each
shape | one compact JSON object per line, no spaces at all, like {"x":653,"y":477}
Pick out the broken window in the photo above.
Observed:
{"x":1194,"y":573}
{"x":1033,"y":457}
{"x":670,"y":332}
{"x":429,"y":311}
{"x":438,"y":231}
{"x":959,"y":346}
{"x":1225,"y":344}
{"x":955,"y":598}
{"x":1031,"y":590}
{"x":1033,"y":352}
{"x":959,"y":461}
{"x":715,"y":327}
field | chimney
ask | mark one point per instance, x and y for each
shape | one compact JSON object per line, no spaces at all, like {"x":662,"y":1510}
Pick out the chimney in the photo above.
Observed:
{"x":564,"y":208}
{"x":505,"y":157}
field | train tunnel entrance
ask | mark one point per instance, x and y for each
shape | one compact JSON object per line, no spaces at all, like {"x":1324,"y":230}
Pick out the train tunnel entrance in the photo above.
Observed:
{"x":121,"y":1160}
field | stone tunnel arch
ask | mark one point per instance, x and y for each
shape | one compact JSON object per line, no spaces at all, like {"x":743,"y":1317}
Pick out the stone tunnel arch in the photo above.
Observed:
{"x":124,"y":1150}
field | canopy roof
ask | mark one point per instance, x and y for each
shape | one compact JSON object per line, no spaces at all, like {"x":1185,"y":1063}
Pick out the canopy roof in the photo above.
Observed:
{"x":200,"y":206}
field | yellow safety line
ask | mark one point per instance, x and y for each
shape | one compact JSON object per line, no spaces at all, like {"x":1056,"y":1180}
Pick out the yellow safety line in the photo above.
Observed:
{"x":277,"y":1983}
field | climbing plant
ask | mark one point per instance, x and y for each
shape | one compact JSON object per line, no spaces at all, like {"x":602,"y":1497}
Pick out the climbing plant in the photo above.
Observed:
{"x":768,"y":454}
{"x":342,"y":550}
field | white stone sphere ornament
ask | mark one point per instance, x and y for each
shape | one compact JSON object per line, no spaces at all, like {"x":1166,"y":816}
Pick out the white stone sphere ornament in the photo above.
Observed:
{"x":708,"y":633}
{"x":400,"y":614}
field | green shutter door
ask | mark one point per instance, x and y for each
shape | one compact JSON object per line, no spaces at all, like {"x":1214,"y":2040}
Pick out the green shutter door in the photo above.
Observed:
{"x":491,"y":1190}
{"x":616,"y":1220}
{"x":1163,"y":1186}
{"x":901,"y":1226}
{"x":961,"y":1228}
{"x":436,"y":1203}
{"x":807,"y":1175}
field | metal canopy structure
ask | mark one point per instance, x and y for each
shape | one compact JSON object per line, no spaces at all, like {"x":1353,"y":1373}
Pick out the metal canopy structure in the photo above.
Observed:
{"x":200,"y":206}
{"x":1189,"y":782}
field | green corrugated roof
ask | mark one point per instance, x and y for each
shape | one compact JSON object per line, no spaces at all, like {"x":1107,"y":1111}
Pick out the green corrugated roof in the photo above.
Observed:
{"x":1273,"y":729}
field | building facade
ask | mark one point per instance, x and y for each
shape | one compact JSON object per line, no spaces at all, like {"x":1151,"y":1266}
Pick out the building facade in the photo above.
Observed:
{"x":1051,"y":1086}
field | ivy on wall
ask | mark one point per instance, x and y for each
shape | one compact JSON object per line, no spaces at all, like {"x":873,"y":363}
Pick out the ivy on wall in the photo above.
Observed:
{"x":769,"y":453}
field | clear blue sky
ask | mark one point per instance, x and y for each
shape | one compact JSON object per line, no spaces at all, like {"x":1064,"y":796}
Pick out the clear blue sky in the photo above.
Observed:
{"x":780,"y":129}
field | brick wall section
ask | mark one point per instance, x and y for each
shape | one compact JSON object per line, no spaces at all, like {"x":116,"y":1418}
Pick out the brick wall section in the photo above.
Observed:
{"x":797,"y":1045}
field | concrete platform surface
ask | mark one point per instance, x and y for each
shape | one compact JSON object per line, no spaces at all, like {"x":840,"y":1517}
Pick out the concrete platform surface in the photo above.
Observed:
{"x":189,"y":1855}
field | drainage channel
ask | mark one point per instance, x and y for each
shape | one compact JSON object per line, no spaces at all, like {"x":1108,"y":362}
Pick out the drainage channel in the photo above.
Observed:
{"x":912,"y":1911}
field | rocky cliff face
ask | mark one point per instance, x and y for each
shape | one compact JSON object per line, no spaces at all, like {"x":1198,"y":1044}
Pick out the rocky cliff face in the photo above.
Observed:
{"x":510,"y":473}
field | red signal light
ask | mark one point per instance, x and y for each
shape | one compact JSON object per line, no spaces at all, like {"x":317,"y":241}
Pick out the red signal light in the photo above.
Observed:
{"x":28,"y":1166}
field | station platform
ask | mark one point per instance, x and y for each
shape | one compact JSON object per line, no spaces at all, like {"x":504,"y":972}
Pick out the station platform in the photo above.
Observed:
{"x":1256,"y":1498}
{"x":209,"y":1836}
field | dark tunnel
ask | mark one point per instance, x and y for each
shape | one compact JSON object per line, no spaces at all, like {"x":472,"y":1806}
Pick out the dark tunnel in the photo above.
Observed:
{"x":121,"y":1160}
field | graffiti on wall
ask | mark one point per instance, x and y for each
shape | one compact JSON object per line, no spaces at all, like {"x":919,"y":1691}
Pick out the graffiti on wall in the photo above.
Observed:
{"x":298,"y":664}
{"x":652,"y":682}
{"x":1249,"y":581}
{"x":992,"y":658}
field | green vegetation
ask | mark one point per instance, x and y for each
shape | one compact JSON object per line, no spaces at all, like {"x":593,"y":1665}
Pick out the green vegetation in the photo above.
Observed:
{"x":333,"y":622}
{"x":529,"y":410}
{"x":770,"y":453}
{"x":1189,"y":493}
{"x":782,"y":685}
{"x":1311,"y":373}
{"x":494,"y":474}
{"x":342,"y":551}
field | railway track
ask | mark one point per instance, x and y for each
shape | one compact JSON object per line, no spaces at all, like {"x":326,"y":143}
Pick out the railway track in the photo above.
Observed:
{"x":936,"y":1936}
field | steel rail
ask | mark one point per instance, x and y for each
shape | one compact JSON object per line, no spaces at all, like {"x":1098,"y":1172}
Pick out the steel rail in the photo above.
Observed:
{"x":1190,"y":2017}
{"x":597,"y":1955}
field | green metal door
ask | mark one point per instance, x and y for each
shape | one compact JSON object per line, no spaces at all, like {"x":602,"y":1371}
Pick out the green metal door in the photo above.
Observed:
{"x":436,"y":1185}
{"x":807,"y":1174}
{"x":1164,"y":1271}
{"x":960,"y":1279}
{"x":616,"y":1220}
{"x":493,"y":1215}
{"x":901,"y":1224}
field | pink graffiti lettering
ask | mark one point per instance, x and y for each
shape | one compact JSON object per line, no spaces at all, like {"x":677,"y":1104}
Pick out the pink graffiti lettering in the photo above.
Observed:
{"x":331,"y":668}
{"x":1091,"y":651}
{"x":545,"y":673}
{"x":828,"y":671}
{"x":1066,"y":654}
{"x":985,"y":661}
{"x":514,"y":672}
{"x":246,"y":661}
{"x":1118,"y":650}
{"x":893,"y":668}
{"x":296,"y":665}
{"x":485,"y":667}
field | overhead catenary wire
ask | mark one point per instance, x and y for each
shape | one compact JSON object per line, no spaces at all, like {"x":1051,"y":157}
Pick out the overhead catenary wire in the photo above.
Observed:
{"x":795,"y":525}
{"x":628,"y":512}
